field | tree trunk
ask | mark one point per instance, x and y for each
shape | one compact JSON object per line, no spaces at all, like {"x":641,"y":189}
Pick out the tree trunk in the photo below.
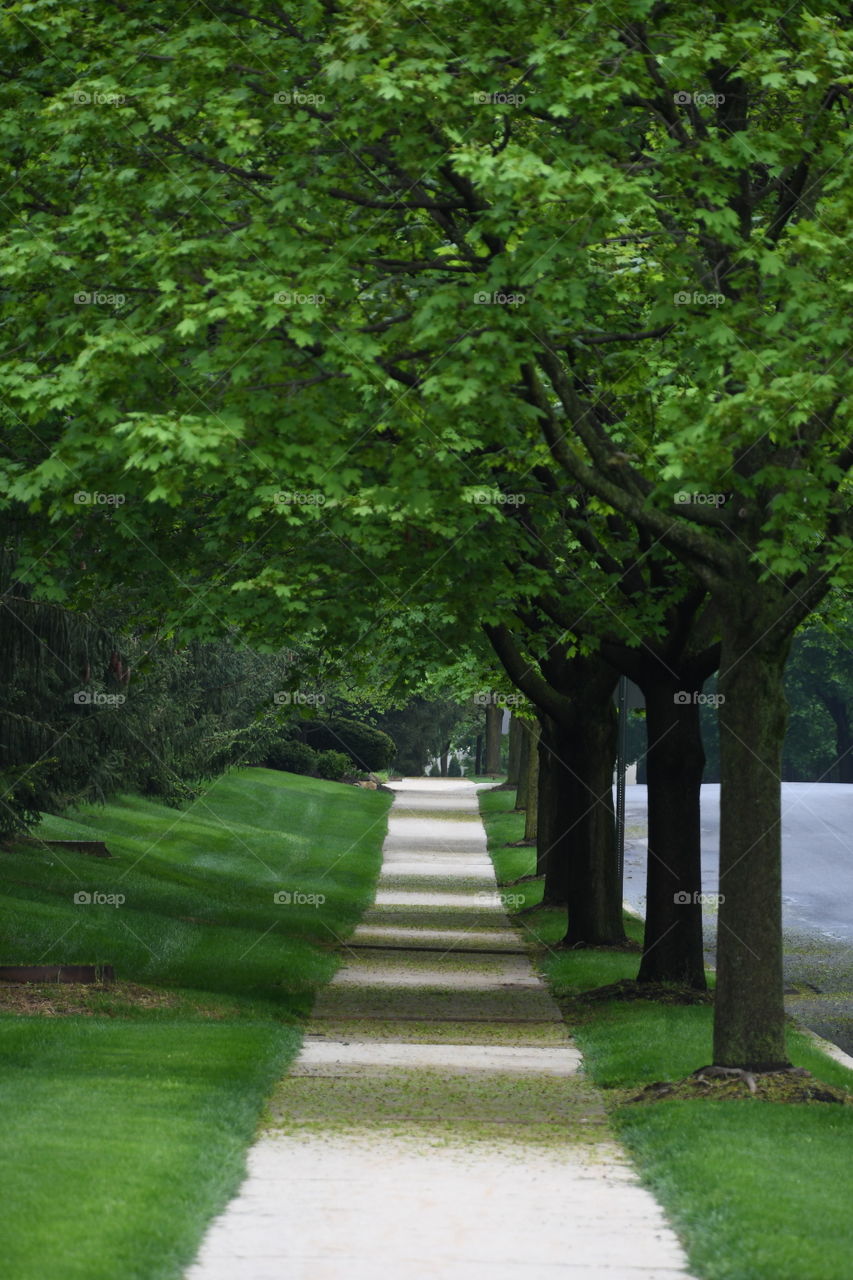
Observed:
{"x":521,"y":789}
{"x":673,"y":944}
{"x":577,"y":826}
{"x":494,"y":719}
{"x":516,"y":733}
{"x":594,"y":888}
{"x":576,"y":841}
{"x":548,"y":809}
{"x":478,"y":757}
{"x":749,"y":1012}
{"x":442,"y":760}
{"x":531,"y":816}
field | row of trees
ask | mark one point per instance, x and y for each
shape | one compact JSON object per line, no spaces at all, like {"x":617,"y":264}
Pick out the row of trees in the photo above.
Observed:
{"x":529,"y":327}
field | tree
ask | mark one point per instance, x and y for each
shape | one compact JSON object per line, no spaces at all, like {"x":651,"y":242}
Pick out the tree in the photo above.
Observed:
{"x":494,"y":720}
{"x":626,"y":271}
{"x":513,"y":768}
{"x":663,"y":636}
{"x":577,"y":747}
{"x":531,"y":783}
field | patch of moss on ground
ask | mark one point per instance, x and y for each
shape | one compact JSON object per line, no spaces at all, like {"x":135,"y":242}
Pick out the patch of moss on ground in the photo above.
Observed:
{"x":539,"y":1107}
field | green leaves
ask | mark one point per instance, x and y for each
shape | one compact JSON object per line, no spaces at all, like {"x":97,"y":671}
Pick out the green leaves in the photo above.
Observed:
{"x":401,"y":267}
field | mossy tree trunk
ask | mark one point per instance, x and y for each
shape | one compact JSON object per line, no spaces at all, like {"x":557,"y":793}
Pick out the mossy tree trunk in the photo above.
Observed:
{"x":494,"y":718}
{"x":749,"y":1017}
{"x":576,"y":840}
{"x":521,"y":792}
{"x":593,"y":885}
{"x":548,"y":809}
{"x":531,"y":816}
{"x":673,"y":944}
{"x":516,"y":733}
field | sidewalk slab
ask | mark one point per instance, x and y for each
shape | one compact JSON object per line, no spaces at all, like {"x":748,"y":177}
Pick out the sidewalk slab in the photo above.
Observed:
{"x":361,"y":1056}
{"x":464,"y":940}
{"x":436,"y":1124}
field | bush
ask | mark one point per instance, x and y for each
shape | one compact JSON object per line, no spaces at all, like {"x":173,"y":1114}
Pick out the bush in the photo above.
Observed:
{"x":369,"y":749}
{"x":292,"y":756}
{"x":454,"y":768}
{"x":333,"y":765}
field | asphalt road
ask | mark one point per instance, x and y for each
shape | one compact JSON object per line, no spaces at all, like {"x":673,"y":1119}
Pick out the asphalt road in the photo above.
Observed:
{"x":817,"y":888}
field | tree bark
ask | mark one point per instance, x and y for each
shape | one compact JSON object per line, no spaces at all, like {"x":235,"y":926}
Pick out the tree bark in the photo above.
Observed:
{"x":478,"y":756}
{"x":594,"y":888}
{"x":577,"y":827}
{"x":494,"y":718}
{"x":548,"y":815}
{"x":749,"y":1013}
{"x":531,"y":816}
{"x":673,"y":945}
{"x":514,"y":752}
{"x":576,"y":841}
{"x":521,"y":789}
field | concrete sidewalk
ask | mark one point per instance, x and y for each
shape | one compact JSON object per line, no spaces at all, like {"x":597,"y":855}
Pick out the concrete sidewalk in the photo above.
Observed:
{"x":435,"y":1125}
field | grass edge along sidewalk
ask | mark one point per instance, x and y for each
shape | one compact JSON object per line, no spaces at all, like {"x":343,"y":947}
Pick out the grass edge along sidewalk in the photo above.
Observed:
{"x":126,"y":1124}
{"x":756,"y":1190}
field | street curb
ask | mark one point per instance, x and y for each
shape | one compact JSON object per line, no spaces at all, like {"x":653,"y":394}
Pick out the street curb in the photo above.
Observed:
{"x":826,"y":1046}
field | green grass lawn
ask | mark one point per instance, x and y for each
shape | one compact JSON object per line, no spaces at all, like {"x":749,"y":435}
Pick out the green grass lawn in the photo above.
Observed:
{"x":126,"y":1124}
{"x":757,"y":1190}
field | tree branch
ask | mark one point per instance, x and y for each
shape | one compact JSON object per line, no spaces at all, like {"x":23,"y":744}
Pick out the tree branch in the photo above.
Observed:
{"x":522,"y":675}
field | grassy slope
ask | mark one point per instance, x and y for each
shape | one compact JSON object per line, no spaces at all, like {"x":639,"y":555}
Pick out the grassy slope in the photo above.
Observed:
{"x":122,"y":1136}
{"x":758,"y":1191}
{"x":199,"y":886}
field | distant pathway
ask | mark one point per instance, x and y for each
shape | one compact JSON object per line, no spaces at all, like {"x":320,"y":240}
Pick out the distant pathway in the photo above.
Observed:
{"x":435,"y":1126}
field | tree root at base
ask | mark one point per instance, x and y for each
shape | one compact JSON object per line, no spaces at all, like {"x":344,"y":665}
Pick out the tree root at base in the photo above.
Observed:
{"x":777,"y":1084}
